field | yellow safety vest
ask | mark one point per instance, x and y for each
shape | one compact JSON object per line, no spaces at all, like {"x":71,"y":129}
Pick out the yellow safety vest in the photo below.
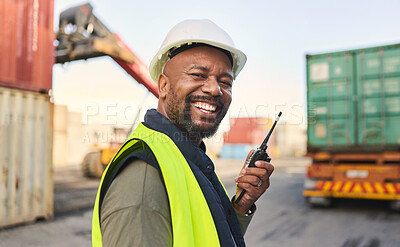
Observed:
{"x":192,"y":222}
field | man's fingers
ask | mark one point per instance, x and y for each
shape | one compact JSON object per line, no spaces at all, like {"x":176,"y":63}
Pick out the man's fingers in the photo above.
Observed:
{"x":263,"y":170}
{"x":251,"y":184}
{"x":250,"y":188}
{"x":253,"y":180}
{"x":252,"y":192}
{"x":268,"y":166}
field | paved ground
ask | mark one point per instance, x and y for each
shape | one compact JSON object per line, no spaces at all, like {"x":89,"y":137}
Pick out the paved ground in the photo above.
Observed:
{"x":282,"y":219}
{"x":287,"y":220}
{"x":72,"y":190}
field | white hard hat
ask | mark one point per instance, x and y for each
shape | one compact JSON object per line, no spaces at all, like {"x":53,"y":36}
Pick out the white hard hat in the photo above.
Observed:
{"x":196,"y":31}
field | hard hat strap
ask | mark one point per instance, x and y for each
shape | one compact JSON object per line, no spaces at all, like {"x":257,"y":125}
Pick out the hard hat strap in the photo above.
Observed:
{"x":176,"y":50}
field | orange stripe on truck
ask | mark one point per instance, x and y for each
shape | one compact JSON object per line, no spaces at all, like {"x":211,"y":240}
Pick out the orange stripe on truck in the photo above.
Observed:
{"x":358,"y":187}
{"x":337,"y":185}
{"x":368,"y":187}
{"x":397,"y":188}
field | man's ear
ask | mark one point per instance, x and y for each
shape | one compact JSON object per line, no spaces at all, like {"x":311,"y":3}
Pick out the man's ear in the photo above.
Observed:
{"x":163,"y":85}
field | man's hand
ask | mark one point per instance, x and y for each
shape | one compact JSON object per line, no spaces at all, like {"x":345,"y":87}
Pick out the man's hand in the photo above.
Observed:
{"x":255,"y":180}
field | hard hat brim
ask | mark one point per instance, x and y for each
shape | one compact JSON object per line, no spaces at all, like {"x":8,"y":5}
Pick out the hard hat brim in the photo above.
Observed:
{"x":157,"y":63}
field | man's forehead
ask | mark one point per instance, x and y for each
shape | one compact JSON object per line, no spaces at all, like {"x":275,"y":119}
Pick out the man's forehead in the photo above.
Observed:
{"x":176,"y":50}
{"x":199,"y":54}
{"x":204,"y":58}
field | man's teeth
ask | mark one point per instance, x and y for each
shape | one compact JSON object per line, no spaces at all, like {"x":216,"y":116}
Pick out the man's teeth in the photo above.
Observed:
{"x":205,"y":106}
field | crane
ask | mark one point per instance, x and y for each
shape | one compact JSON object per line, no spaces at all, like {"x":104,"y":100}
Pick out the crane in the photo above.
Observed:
{"x":81,"y":35}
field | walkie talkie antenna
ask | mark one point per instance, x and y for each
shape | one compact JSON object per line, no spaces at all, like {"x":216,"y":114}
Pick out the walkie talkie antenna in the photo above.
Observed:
{"x":264,"y":145}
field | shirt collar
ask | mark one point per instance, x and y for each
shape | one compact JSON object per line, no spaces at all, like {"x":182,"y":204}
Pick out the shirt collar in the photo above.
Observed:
{"x":156,"y":121}
{"x":192,"y":152}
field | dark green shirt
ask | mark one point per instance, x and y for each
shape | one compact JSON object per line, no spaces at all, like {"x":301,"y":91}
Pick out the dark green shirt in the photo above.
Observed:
{"x":135,"y":209}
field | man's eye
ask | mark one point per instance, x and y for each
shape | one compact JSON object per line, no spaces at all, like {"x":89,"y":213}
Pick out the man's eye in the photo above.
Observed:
{"x":197,"y":75}
{"x":227,"y":83}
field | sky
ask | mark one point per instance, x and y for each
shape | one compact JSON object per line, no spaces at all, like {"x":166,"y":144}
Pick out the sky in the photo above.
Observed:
{"x":275,"y":36}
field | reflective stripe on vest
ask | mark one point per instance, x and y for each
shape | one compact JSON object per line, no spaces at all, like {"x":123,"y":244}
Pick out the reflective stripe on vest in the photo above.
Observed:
{"x":192,"y":222}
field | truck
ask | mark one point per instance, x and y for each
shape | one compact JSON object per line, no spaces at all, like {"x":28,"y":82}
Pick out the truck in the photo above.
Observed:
{"x":353,"y":134}
{"x":81,"y":36}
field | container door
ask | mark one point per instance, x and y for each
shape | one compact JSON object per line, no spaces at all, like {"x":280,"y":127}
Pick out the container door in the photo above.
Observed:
{"x":378,"y":86}
{"x":330,"y":94}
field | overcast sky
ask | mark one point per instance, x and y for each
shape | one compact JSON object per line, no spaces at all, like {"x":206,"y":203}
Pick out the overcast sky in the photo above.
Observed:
{"x":275,"y":36}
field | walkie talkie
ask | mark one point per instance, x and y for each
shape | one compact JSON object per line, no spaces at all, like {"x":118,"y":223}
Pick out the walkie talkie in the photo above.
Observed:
{"x":259,"y":154}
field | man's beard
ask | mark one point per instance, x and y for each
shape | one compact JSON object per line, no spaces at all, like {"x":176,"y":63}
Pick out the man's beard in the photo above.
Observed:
{"x":183,"y":118}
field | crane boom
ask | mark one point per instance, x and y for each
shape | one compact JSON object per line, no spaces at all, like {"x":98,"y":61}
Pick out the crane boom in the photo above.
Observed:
{"x":82,"y":35}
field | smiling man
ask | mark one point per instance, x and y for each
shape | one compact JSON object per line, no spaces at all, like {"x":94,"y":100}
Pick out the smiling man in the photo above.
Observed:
{"x":196,"y":90}
{"x":161,"y":188}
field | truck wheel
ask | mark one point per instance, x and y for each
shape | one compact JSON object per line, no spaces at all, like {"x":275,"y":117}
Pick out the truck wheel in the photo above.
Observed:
{"x":92,"y":166}
{"x":319,"y":202}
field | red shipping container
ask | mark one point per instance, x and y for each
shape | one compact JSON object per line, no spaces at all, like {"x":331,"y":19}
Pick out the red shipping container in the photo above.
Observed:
{"x":26,"y":44}
{"x":247,"y":130}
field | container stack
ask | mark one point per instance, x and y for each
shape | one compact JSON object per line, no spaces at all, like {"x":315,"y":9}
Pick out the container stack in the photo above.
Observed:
{"x":26,"y":61}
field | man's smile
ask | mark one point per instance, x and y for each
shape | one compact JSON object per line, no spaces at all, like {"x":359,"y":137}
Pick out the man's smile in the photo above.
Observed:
{"x":205,"y":107}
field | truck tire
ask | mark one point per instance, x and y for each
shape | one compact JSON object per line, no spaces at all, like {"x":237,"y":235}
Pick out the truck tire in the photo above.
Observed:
{"x":395,"y":205}
{"x":92,"y":166}
{"x":319,"y":202}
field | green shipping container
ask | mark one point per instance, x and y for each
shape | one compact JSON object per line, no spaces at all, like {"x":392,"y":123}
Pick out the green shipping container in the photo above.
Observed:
{"x":353,"y":100}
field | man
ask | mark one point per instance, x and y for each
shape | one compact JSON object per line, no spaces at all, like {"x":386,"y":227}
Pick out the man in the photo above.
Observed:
{"x":161,"y":188}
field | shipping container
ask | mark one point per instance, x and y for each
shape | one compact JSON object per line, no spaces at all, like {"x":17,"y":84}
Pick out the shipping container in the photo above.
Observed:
{"x":26,"y":44}
{"x":249,"y":130}
{"x":353,"y":100}
{"x":236,"y":151}
{"x":26,"y":178}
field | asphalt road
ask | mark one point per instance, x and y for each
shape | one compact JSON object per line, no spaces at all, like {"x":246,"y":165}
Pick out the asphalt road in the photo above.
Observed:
{"x":282,"y":218}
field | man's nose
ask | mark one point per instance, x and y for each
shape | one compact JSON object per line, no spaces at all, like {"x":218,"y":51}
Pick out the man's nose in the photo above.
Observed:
{"x":212,"y":87}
